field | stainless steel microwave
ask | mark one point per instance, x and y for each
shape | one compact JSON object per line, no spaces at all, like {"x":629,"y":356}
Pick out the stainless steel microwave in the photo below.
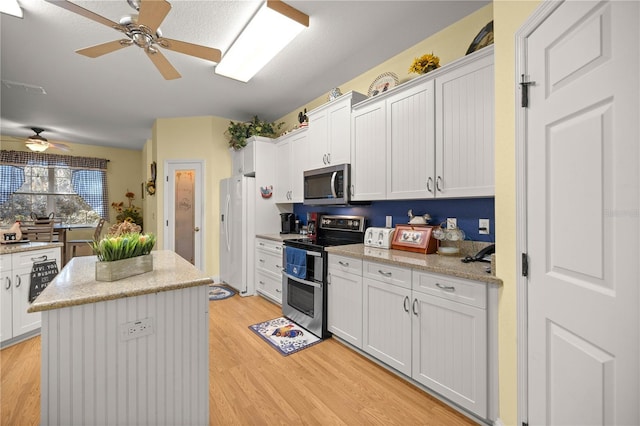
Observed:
{"x":326,"y":186}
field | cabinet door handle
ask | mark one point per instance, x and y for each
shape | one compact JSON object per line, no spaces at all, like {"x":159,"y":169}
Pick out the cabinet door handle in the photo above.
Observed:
{"x":438,"y":182}
{"x":329,"y":158}
{"x":261,"y":260}
{"x":261,"y":282}
{"x":429,"y":182}
{"x":328,"y":278}
{"x":353,"y":190}
{"x":345,"y":264}
{"x":324,"y":158}
{"x":18,"y":280}
{"x":406,"y":304}
{"x":386,"y":274}
{"x":278,"y":290}
{"x":278,"y":267}
{"x":446,"y":287}
{"x":413,"y":307}
{"x":8,"y":285}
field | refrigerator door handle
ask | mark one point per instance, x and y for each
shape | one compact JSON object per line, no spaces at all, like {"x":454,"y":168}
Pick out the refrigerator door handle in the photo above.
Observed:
{"x":226,"y":223}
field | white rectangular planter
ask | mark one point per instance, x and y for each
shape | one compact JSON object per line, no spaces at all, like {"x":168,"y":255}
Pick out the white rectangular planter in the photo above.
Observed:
{"x":120,"y":269}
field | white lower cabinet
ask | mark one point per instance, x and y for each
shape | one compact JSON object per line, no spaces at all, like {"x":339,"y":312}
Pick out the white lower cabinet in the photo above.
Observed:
{"x":450,"y":341}
{"x":269,"y":269}
{"x":15,"y":272}
{"x":430,"y":327}
{"x":344,"y":299}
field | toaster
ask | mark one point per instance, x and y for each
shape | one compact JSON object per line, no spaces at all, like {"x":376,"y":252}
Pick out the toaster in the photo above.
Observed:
{"x":378,"y":237}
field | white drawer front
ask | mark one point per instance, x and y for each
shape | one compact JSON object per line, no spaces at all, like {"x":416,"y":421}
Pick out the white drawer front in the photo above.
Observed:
{"x":460,"y":290}
{"x":5,"y":262}
{"x":269,"y":286}
{"x":269,"y":246}
{"x":387,"y":273}
{"x":26,"y":259}
{"x":269,"y":262}
{"x":344,"y":264}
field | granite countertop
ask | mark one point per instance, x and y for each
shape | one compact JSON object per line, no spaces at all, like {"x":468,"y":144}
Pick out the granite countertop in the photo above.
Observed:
{"x":448,"y":265}
{"x":22,"y":247}
{"x":279,"y":237}
{"x":76,"y":284}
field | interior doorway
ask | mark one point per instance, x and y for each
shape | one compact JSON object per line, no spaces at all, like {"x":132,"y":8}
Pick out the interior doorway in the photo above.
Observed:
{"x":184,"y":209}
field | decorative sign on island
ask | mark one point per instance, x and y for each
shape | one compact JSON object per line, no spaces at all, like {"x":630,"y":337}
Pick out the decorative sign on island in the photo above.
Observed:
{"x":42,"y":273}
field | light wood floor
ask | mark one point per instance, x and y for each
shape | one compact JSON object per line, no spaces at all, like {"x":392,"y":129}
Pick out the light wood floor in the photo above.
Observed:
{"x":252,"y":384}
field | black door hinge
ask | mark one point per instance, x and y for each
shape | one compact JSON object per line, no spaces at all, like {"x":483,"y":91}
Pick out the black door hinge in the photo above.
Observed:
{"x":524,"y":87}
{"x":525,"y":265}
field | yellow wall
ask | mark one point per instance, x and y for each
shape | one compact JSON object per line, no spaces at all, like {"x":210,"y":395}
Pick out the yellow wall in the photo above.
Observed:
{"x":123,"y":172}
{"x":509,"y":15}
{"x":193,"y":138}
{"x":449,"y":44}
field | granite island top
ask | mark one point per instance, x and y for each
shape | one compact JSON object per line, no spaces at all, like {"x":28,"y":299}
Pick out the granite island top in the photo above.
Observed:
{"x":22,"y":247}
{"x":447,"y":265}
{"x":76,"y":284}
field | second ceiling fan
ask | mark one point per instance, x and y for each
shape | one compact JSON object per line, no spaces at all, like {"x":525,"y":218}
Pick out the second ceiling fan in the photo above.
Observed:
{"x":143,"y":31}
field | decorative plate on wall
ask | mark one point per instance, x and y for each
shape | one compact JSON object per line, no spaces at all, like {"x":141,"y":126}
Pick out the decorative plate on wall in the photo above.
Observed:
{"x":382,"y":83}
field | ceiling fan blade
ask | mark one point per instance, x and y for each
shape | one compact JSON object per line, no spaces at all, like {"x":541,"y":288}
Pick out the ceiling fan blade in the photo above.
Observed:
{"x":203,"y":52}
{"x":60,"y":146}
{"x":152,"y":13}
{"x":84,"y":12}
{"x":166,"y":69}
{"x":103,"y":49}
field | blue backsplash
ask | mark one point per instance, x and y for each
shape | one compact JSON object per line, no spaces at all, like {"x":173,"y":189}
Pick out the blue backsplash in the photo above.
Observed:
{"x":467,"y":211}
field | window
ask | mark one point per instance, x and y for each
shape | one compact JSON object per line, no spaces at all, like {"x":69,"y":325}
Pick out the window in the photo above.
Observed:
{"x":72,"y":188}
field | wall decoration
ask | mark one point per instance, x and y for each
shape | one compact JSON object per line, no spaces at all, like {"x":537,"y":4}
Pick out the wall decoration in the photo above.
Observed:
{"x":151,"y":184}
{"x":483,"y":39}
{"x":266,"y":191}
{"x":382,"y":83}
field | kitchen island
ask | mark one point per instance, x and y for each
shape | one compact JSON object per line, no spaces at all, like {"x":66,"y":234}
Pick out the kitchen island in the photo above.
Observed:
{"x":133,"y":351}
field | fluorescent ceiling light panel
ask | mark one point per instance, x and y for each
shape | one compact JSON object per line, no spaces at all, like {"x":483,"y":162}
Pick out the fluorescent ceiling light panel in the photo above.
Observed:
{"x":269,"y":31}
{"x":11,"y":7}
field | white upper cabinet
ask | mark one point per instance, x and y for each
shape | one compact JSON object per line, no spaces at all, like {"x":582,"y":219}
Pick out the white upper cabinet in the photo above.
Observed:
{"x":330,"y":131}
{"x":410,"y":142}
{"x":431,"y":137}
{"x":368,"y":152}
{"x":291,"y":155}
{"x":464,"y":131}
{"x":243,"y":160}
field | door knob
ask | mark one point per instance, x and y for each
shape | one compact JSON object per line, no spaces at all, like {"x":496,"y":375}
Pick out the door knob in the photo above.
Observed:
{"x":196,"y":229}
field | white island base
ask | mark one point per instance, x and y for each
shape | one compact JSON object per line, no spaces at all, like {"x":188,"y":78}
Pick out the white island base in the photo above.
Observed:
{"x":139,"y":357}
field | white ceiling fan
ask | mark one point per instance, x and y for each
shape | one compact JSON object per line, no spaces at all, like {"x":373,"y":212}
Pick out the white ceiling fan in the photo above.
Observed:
{"x":142,"y":29}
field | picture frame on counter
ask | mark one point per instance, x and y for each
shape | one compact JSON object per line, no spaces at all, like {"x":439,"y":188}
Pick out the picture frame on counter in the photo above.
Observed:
{"x":415,"y":238}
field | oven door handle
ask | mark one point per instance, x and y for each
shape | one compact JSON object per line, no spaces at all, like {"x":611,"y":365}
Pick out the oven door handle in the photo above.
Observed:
{"x":309,"y":253}
{"x":311,"y":283}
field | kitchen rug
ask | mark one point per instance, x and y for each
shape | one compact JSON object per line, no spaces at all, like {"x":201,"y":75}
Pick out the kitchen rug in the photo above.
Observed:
{"x":220,"y":292}
{"x":284,"y":335}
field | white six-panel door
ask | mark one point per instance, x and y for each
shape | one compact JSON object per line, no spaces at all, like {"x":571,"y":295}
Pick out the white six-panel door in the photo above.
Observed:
{"x":583,"y":199}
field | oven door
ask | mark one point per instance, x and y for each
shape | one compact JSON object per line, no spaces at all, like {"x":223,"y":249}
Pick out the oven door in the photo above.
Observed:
{"x":302,"y":302}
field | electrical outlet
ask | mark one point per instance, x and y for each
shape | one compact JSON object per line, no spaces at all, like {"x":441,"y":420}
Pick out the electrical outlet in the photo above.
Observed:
{"x":135,"y":329}
{"x":484,"y":227}
{"x":452,"y":222}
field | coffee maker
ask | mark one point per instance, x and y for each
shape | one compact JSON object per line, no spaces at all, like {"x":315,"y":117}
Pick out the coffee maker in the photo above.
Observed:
{"x":312,"y":223}
{"x":287,"y":223}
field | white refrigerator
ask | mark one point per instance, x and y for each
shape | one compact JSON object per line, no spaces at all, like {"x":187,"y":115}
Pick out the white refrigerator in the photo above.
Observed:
{"x":237,"y":233}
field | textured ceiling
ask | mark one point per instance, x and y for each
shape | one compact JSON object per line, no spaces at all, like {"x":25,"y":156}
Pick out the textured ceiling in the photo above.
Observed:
{"x":113,"y":100}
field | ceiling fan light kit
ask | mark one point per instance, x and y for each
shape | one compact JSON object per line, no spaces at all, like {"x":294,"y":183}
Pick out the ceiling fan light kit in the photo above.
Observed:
{"x":270,"y":30}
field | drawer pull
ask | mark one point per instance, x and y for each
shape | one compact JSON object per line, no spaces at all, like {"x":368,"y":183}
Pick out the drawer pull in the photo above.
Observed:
{"x":278,"y":248}
{"x":278,"y":267}
{"x":18,"y":280}
{"x":386,"y":274}
{"x":406,"y":304}
{"x":8,"y":286}
{"x":261,"y":260}
{"x":262,"y":244}
{"x":278,"y":290}
{"x":445,"y":287}
{"x":261,"y":282}
{"x":345,"y":264}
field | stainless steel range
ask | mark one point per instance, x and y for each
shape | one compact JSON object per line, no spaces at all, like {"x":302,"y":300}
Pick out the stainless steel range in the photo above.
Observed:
{"x":304,"y":290}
